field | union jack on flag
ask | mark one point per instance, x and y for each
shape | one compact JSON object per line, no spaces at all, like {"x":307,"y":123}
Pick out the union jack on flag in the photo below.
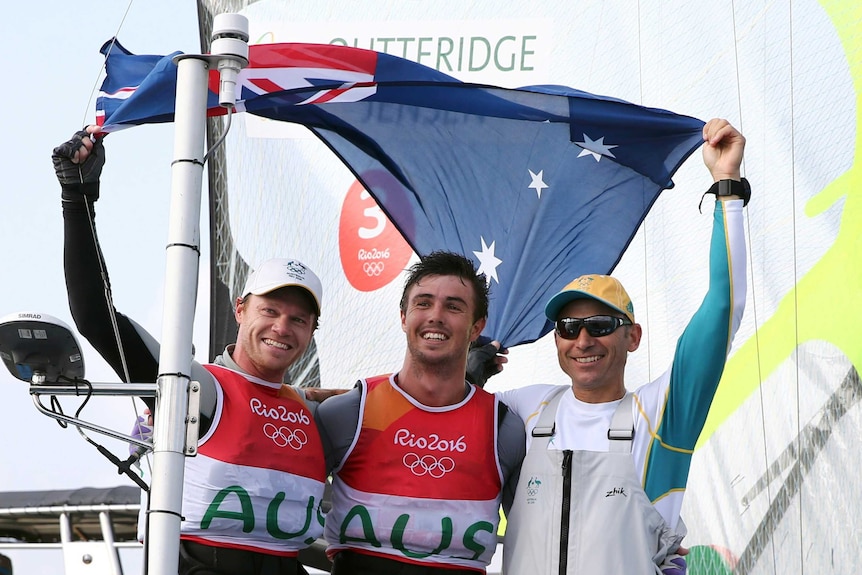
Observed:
{"x":313,"y":73}
{"x":343,"y":76}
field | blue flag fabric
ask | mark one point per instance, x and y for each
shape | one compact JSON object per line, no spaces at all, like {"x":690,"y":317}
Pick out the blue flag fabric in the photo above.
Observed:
{"x":537,"y":185}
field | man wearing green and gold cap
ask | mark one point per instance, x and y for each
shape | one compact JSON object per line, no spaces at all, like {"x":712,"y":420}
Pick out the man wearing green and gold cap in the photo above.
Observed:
{"x":602,"y":483}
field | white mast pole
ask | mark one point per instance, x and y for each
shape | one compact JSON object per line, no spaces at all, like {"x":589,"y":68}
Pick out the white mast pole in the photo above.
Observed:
{"x":229,"y":55}
{"x":181,"y":280}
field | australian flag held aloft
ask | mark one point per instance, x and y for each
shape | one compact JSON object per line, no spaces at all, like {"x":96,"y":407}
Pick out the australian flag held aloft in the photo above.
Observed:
{"x":537,"y":185}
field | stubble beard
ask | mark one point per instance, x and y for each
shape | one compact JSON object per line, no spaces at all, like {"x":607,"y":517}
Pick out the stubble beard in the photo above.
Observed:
{"x":431,"y":364}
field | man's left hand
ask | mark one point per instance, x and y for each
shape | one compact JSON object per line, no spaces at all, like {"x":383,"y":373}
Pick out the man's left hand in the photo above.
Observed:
{"x":723,"y":149}
{"x":485,"y":361}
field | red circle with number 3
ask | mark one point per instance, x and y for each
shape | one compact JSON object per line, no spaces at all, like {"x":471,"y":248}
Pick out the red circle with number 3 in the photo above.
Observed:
{"x":372,"y":250}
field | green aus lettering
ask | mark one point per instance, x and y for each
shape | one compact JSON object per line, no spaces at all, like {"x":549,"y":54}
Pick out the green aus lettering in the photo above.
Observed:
{"x":272,"y":518}
{"x":246,"y":515}
{"x":398,"y":537}
{"x":367,"y":529}
{"x":470,"y":541}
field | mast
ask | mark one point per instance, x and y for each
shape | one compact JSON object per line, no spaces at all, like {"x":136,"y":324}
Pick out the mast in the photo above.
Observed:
{"x":175,"y":431}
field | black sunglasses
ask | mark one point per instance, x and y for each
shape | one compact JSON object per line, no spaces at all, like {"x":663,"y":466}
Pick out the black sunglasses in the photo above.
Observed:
{"x":596,"y":326}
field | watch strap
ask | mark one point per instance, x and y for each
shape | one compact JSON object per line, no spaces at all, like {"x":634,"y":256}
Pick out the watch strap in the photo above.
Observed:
{"x":723,"y":188}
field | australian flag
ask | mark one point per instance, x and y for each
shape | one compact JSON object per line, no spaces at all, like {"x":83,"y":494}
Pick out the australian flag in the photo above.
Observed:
{"x":537,"y":185}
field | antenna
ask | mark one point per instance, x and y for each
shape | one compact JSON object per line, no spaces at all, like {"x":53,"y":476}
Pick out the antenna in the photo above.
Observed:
{"x":230,"y":45}
{"x":39,"y":348}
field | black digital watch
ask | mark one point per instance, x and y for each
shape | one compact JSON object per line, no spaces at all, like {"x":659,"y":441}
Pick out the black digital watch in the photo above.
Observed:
{"x":722,"y":188}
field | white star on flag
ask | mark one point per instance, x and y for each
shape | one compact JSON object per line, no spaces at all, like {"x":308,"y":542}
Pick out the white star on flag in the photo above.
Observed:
{"x":595,"y":148}
{"x":488,"y":262}
{"x":537,"y":184}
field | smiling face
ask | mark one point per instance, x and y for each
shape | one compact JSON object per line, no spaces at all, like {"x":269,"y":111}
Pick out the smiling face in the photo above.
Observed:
{"x":274,"y":331}
{"x":438,"y":320}
{"x":596,"y":365}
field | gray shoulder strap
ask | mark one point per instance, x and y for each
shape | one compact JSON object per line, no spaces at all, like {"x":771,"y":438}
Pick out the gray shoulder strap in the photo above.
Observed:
{"x":545,"y":426}
{"x":622,"y":429}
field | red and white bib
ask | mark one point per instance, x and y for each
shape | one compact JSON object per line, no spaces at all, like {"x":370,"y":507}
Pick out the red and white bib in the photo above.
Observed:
{"x":420,"y":484}
{"x":257,"y":481}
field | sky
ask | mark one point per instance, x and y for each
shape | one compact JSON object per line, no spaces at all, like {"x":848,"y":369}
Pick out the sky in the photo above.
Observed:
{"x":57,"y":73}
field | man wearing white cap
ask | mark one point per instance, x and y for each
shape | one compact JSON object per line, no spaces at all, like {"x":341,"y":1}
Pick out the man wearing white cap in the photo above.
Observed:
{"x":251,"y":497}
{"x":602,"y":483}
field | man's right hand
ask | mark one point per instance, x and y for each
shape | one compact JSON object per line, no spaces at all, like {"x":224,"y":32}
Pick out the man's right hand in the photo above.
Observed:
{"x":319,"y":394}
{"x":79,"y":160}
{"x":143,"y":430}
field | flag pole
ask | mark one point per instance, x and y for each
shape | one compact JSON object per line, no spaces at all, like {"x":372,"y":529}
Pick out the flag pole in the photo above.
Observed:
{"x":170,"y":443}
{"x":175,"y":357}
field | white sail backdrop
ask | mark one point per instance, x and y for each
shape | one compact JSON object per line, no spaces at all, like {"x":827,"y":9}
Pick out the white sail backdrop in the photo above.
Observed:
{"x":774,"y":485}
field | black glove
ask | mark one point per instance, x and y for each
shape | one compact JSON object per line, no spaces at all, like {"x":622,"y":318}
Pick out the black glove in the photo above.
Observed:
{"x":83,"y":178}
{"x":481,"y":362}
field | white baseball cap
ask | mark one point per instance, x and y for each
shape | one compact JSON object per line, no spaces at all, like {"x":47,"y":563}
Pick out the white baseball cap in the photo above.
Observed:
{"x":281,"y":272}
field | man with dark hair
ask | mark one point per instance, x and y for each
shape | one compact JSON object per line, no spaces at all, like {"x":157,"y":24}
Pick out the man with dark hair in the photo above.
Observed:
{"x":449,"y":264}
{"x":421,"y":457}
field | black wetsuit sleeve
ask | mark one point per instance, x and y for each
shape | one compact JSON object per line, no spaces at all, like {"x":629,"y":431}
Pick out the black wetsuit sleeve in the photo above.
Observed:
{"x":337,"y":421}
{"x":511,"y":449}
{"x":86,"y":284}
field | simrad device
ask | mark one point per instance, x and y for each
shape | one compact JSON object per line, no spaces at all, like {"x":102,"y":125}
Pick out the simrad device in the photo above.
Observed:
{"x":39,"y":348}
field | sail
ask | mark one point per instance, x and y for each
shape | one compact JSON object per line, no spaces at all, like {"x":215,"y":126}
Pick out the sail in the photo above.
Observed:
{"x":769,"y":489}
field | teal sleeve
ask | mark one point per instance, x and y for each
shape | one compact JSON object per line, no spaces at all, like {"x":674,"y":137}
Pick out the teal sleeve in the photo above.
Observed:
{"x":700,"y":356}
{"x":702,"y":348}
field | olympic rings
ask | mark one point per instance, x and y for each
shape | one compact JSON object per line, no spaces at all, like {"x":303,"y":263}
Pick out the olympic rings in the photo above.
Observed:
{"x":373,"y":268}
{"x":283,"y":436}
{"x":428,"y":464}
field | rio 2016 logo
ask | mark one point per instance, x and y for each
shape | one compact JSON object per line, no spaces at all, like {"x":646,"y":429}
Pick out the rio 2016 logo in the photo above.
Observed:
{"x":372,"y":250}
